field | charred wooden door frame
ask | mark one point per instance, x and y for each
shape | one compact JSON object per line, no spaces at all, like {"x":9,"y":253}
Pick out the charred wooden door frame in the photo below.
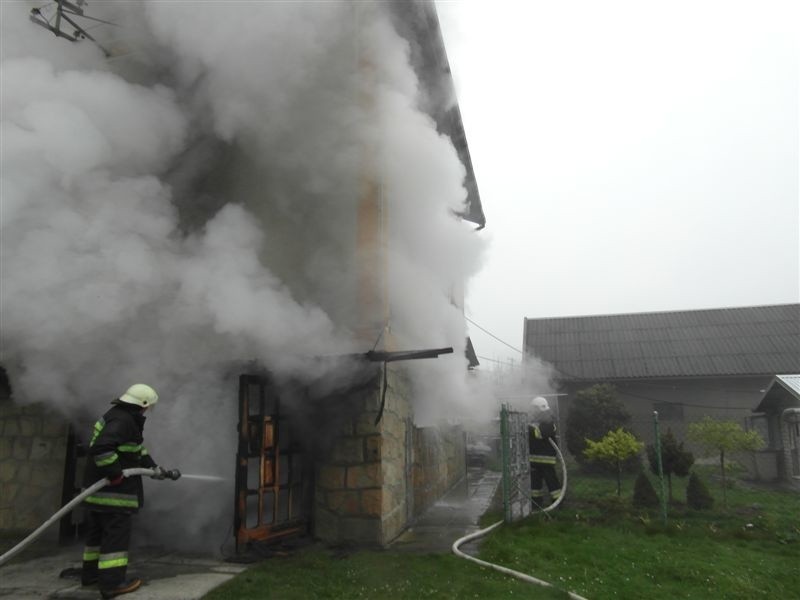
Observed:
{"x":265,"y":437}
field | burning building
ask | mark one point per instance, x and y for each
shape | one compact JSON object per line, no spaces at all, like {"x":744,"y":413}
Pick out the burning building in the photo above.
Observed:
{"x":257,"y":208}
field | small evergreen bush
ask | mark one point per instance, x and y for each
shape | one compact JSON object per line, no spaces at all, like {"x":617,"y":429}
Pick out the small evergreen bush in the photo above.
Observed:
{"x":644,"y":494}
{"x":697,"y":495}
{"x":675,"y":460}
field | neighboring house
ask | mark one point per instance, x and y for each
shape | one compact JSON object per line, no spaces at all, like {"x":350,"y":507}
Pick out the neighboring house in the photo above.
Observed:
{"x":778,"y":422}
{"x":684,"y":364}
{"x":375,"y":470}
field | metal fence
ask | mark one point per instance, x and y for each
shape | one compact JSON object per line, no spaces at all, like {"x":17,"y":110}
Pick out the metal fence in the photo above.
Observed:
{"x":516,"y":470}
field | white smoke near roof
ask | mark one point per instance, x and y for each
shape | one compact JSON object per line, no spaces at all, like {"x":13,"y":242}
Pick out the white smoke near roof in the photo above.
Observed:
{"x":137,"y":220}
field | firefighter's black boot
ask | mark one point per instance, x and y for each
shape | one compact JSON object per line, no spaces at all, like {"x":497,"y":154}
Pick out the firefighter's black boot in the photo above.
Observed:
{"x":123,"y":588}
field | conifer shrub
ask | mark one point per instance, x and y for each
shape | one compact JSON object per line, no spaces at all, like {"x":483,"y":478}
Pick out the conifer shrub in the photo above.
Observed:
{"x":674,"y":459}
{"x":644,"y":494}
{"x":697,"y":495}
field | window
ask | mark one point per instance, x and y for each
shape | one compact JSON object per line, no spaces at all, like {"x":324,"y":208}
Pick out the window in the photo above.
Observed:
{"x":760,"y":424}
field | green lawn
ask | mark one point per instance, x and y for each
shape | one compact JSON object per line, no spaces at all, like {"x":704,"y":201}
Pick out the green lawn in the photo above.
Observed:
{"x":597,"y":545}
{"x":319,"y":573}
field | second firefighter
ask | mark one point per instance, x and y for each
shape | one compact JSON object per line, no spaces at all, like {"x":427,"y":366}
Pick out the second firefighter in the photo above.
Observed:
{"x":541,"y":454}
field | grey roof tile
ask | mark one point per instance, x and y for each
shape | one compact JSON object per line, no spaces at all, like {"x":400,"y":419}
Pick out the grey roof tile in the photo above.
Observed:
{"x":733,"y":341}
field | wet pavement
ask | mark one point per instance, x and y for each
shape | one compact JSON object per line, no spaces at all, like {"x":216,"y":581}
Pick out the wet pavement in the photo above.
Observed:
{"x":173,"y":576}
{"x":454,"y":516}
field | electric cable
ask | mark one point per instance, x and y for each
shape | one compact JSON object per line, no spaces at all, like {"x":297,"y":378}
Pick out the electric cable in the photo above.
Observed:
{"x":493,"y":335}
{"x":578,"y":377}
{"x":641,"y":397}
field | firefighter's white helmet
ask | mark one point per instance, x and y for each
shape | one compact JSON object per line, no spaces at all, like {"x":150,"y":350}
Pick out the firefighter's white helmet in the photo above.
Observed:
{"x":540,"y":404}
{"x":140,"y":395}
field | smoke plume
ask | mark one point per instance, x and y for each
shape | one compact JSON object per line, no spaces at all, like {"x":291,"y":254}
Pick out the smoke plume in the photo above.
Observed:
{"x":188,"y":204}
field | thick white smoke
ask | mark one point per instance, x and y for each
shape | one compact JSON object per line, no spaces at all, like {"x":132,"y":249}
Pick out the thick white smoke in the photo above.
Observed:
{"x":173,"y":213}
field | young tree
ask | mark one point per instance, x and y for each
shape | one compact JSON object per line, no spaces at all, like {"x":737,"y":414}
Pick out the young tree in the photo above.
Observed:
{"x":697,"y":494}
{"x":615,"y":448}
{"x":674,"y":459}
{"x":723,"y":437}
{"x":595,"y":411}
{"x":644,"y":494}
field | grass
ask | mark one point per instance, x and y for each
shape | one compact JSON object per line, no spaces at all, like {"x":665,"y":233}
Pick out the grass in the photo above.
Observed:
{"x":597,"y":545}
{"x":601,"y":547}
{"x":319,"y":573}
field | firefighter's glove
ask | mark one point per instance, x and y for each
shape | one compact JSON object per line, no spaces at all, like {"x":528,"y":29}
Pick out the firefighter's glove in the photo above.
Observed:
{"x":116,"y":480}
{"x":158,"y":473}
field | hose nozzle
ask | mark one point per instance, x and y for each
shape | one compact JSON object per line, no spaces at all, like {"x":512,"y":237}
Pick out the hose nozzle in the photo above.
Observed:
{"x":173,"y":474}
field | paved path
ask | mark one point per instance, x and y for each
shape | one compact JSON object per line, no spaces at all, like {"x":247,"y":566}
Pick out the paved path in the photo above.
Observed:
{"x":167,"y":576}
{"x":171,"y":576}
{"x":452,"y":517}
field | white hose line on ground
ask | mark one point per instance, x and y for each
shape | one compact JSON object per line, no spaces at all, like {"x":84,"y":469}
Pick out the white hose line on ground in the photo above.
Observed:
{"x":507,"y":571}
{"x":101,"y":483}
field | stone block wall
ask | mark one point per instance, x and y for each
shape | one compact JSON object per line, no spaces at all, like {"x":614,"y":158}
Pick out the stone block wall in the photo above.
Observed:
{"x":33,"y":444}
{"x":439,"y":463}
{"x":376,"y":478}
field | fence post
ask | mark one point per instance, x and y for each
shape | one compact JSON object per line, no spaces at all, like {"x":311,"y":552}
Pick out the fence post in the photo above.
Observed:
{"x":660,"y":468}
{"x":505,"y":440}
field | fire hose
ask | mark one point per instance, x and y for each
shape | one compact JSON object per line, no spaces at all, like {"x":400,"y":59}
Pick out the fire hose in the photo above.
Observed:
{"x":173,"y":474}
{"x":483,"y":532}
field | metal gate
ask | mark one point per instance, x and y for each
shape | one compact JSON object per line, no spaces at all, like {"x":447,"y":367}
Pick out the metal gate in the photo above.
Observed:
{"x":516,"y":467}
{"x":273,"y":480}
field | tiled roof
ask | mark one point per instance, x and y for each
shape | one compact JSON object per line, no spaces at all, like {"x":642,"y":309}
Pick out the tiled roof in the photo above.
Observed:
{"x":753,"y":340}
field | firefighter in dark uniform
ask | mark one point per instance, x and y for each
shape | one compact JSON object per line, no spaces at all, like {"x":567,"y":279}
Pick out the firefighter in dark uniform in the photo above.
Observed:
{"x":541,"y":454}
{"x":116,"y":444}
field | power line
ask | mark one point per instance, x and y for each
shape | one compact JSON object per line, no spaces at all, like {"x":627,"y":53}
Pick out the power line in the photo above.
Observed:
{"x":508,"y":363}
{"x":687,"y":404}
{"x":646,"y":383}
{"x":493,"y":335}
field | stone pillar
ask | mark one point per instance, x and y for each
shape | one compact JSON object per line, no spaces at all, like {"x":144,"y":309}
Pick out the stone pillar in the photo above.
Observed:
{"x":394,"y":460}
{"x":360,"y":494}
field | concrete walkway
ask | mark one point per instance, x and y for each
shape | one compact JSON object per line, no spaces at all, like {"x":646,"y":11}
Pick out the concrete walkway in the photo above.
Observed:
{"x":452,"y":517}
{"x":166,"y":576}
{"x":171,"y":576}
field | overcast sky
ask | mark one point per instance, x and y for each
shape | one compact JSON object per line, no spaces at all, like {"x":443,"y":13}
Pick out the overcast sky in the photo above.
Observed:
{"x":631,"y":156}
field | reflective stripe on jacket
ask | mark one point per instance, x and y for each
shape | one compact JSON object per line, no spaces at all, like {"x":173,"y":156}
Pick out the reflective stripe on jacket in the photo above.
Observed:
{"x":117,"y":444}
{"x":539,"y":449}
